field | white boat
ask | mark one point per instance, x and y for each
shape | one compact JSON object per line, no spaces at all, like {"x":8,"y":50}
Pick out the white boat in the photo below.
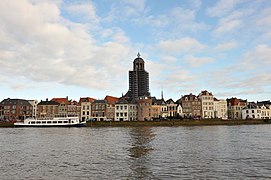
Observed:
{"x":54,"y":122}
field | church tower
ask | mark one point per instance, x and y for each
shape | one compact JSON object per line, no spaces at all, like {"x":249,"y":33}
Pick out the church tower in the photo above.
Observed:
{"x":138,"y":79}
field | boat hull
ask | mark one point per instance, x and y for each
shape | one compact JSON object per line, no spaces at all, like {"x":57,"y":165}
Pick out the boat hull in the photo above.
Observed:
{"x":51,"y":125}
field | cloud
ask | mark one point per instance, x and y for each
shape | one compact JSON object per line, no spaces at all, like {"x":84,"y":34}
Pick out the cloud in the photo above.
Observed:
{"x":225,"y":46}
{"x":181,"y":45}
{"x":83,"y":12}
{"x":221,"y":8}
{"x":41,"y":45}
{"x":261,"y":53}
{"x":229,"y":23}
{"x":198,"y":61}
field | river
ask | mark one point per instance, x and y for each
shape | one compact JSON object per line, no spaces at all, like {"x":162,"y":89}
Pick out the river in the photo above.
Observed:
{"x":200,"y":152}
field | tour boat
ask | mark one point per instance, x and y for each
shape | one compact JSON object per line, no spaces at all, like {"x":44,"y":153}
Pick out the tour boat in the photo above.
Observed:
{"x":54,"y":122}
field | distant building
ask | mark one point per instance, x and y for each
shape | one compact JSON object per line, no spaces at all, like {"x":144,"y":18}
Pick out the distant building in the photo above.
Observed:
{"x":171,"y":108}
{"x":85,"y":104}
{"x":73,"y":108}
{"x":221,"y":110}
{"x":207,"y":104}
{"x":98,"y":108}
{"x":235,"y":107}
{"x":110,"y":107}
{"x":34,"y":104}
{"x":159,"y":108}
{"x":47,"y":109}
{"x":125,"y":110}
{"x":144,"y":105}
{"x":179,"y":107}
{"x":16,"y":109}
{"x":191,"y":106}
{"x":256,"y":111}
{"x":63,"y":105}
{"x":138,"y":79}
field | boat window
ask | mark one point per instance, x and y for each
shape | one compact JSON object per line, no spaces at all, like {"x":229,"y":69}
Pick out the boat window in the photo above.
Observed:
{"x":72,"y":121}
{"x":59,"y":121}
{"x":28,"y":122}
{"x":54,"y":122}
{"x":38,"y":122}
{"x":48,"y":122}
{"x":33,"y":122}
{"x":65,"y":121}
{"x":43,"y":122}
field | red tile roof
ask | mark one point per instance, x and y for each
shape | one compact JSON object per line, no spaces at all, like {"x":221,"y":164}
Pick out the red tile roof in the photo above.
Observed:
{"x":86,"y":99}
{"x":235,"y":102}
{"x":61,"y":100}
{"x":111,"y":99}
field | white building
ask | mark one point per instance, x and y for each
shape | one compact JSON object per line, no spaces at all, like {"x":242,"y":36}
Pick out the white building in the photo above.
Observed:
{"x":207,"y":105}
{"x":34,"y":104}
{"x":85,"y":108}
{"x":253,"y":111}
{"x":221,"y":109}
{"x":125,"y":111}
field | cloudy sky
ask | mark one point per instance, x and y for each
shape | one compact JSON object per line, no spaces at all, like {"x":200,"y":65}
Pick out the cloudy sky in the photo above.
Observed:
{"x":59,"y":48}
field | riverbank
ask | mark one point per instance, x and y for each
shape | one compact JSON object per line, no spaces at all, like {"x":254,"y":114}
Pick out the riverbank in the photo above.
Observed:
{"x":205,"y":122}
{"x":187,"y":122}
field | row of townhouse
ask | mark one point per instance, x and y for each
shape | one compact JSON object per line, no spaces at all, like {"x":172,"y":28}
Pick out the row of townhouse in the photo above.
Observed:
{"x":205,"y":105}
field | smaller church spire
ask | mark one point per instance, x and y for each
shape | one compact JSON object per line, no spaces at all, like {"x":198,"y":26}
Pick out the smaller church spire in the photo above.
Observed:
{"x":138,"y":55}
{"x":162,"y":95}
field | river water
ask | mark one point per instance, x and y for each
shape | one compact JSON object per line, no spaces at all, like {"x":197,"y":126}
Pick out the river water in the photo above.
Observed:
{"x":205,"y":152}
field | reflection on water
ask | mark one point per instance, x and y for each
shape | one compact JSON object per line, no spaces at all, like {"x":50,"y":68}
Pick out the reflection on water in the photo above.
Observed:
{"x":141,"y":138}
{"x":209,"y":152}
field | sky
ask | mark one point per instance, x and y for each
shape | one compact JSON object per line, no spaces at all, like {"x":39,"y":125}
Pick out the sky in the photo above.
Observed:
{"x":85,"y":48}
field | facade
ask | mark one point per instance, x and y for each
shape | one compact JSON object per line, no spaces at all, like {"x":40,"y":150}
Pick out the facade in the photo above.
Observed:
{"x":235,"y":107}
{"x":73,"y":108}
{"x":221,"y":109}
{"x":47,"y":109}
{"x":85,"y":104}
{"x":144,"y":108}
{"x":159,"y":108}
{"x":138,"y":79}
{"x":125,"y":110}
{"x":207,"y":104}
{"x":191,"y":106}
{"x":34,"y":104}
{"x":63,"y":105}
{"x":16,"y":109}
{"x":110,"y":107}
{"x":98,"y":108}
{"x":255,"y":111}
{"x":171,"y":108}
{"x":179,"y":107}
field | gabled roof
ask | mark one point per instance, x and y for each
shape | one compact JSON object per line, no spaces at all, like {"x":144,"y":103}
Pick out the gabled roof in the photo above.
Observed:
{"x":122,"y":100}
{"x":111,"y":99}
{"x":169,"y":101}
{"x":190,"y":97}
{"x":86,"y":99}
{"x":74,"y":103}
{"x":235,"y":102}
{"x":61,"y":100}
{"x":206,"y":93}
